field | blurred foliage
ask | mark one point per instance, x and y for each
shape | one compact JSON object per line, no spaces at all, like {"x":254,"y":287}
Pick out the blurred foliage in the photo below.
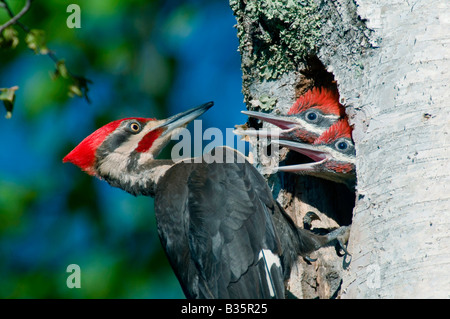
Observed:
{"x":35,"y":40}
{"x":8,"y":96}
{"x":138,"y":54}
{"x":9,"y":38}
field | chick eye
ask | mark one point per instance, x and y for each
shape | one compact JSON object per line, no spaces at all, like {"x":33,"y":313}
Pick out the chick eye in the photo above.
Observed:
{"x":342,"y":145}
{"x":134,"y":127}
{"x":312,"y":116}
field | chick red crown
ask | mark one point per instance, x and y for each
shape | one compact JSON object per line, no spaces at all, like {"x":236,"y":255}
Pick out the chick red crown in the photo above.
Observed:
{"x":340,"y":129}
{"x":323,"y":99}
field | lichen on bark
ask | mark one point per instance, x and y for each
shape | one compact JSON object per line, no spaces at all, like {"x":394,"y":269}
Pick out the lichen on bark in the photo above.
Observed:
{"x":274,"y":36}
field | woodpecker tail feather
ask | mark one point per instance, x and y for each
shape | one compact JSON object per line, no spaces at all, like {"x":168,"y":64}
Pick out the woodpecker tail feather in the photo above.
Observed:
{"x":275,"y":291}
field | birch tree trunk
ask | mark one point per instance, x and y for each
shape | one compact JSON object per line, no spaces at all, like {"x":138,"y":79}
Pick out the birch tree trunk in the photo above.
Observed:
{"x":390,"y":62}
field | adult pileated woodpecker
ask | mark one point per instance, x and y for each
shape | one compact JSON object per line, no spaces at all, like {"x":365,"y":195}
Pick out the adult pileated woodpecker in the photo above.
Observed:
{"x":308,"y":118}
{"x":333,"y":154}
{"x":223,"y":233}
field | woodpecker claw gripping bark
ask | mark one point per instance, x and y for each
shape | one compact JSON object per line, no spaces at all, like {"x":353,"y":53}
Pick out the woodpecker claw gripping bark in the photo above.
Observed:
{"x":224,"y":234}
{"x":307,"y":220}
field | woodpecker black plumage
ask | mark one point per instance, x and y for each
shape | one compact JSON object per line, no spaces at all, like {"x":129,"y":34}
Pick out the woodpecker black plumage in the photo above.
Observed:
{"x":222,"y":231}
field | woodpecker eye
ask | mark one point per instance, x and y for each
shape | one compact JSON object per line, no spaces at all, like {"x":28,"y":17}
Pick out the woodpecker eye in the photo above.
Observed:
{"x":312,"y":116}
{"x":342,"y":145}
{"x":134,"y":127}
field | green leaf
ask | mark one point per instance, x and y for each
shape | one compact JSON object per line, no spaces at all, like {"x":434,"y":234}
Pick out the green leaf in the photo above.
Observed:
{"x":62,"y":69}
{"x":35,"y":40}
{"x":75,"y":90}
{"x":8,"y":95}
{"x":9,"y":38}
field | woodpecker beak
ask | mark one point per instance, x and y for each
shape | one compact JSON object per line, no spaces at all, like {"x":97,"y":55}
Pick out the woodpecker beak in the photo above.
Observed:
{"x":285,"y":125}
{"x":318,"y":156}
{"x":182,"y":119}
{"x":327,"y":163}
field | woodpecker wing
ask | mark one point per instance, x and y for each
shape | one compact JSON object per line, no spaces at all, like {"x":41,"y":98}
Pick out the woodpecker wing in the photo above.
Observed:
{"x":230,"y":246}
{"x":231,"y":232}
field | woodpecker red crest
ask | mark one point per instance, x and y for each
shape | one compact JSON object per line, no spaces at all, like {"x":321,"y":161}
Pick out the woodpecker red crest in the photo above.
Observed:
{"x":84,"y":155}
{"x":333,"y":154}
{"x":308,"y":118}
{"x":114,"y":151}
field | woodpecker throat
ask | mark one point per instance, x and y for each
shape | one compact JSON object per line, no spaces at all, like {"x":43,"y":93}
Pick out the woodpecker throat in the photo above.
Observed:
{"x":139,"y":181}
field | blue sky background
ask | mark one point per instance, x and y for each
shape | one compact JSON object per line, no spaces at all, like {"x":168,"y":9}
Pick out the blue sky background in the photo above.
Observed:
{"x":145,"y":58}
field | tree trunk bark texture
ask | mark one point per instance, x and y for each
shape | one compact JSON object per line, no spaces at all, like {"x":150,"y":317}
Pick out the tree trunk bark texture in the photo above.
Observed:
{"x":390,"y":62}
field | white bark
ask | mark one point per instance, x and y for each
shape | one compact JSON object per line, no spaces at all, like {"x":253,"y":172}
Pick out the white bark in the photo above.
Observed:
{"x":400,"y":97}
